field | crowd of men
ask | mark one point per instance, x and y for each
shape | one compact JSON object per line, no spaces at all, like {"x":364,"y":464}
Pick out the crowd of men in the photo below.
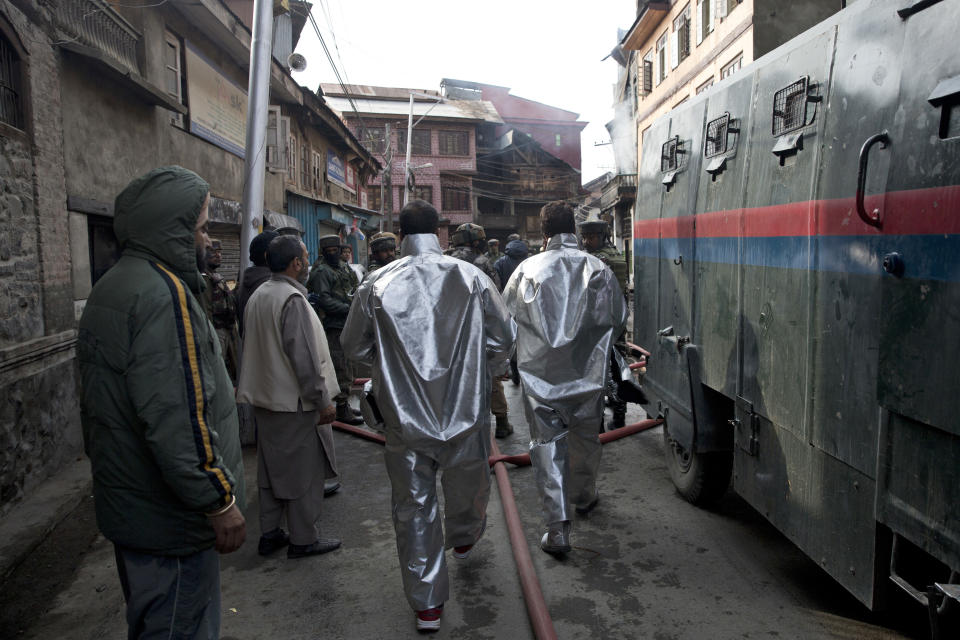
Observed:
{"x":176,"y":369}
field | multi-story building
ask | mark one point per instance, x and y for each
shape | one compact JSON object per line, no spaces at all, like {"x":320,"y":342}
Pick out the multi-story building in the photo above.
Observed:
{"x":681,"y":48}
{"x":93,"y":94}
{"x":529,"y":159}
{"x":443,"y":146}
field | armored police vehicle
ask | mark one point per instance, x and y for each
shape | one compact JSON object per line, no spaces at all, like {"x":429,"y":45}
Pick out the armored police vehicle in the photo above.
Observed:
{"x":797,"y":269}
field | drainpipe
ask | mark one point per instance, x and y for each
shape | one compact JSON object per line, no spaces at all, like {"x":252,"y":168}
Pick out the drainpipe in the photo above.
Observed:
{"x":258,"y":102}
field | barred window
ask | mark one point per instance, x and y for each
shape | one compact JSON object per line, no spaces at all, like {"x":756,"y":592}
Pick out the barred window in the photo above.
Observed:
{"x":420,"y":145}
{"x":11,"y":85}
{"x":454,"y":143}
{"x":373,"y":138}
{"x":455,"y":198}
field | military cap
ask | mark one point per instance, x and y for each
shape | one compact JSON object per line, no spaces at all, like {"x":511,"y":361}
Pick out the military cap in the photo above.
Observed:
{"x":331,"y":240}
{"x":467,"y":233}
{"x":493,"y":241}
{"x":383,"y":240}
{"x":593,"y":226}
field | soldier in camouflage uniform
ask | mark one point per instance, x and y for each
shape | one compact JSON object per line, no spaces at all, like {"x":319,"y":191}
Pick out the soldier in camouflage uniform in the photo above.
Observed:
{"x":493,"y":252}
{"x":383,"y":250}
{"x":596,"y":242}
{"x":332,"y":285}
{"x":221,"y":307}
{"x":469,"y":242}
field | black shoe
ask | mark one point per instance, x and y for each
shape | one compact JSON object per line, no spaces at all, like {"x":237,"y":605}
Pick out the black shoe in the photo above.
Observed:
{"x":322,"y":545}
{"x":504,"y":428}
{"x":345,"y":415}
{"x":584,"y":510}
{"x":273,"y":541}
{"x":619,"y":421}
{"x":330,"y":487}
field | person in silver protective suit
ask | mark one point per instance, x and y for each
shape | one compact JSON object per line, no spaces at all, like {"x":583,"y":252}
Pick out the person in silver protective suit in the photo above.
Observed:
{"x":568,"y":308}
{"x":434,"y":330}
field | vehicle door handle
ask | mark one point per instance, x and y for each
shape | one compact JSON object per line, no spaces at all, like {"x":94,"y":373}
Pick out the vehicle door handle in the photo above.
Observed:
{"x":873,"y":218}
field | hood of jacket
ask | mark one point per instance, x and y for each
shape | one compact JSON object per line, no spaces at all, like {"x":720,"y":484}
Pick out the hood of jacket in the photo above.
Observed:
{"x":517,"y":249}
{"x":254,"y":276}
{"x":155,"y":216}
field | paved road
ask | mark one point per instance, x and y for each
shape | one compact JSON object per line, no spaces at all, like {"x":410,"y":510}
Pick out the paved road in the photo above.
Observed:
{"x":645,"y":564}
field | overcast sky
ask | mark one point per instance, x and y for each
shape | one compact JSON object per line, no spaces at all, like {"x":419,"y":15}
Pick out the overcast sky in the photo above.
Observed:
{"x":544,"y":50}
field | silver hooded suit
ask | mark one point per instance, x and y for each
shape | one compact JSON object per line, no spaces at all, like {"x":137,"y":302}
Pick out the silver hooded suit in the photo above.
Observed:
{"x":432,"y":328}
{"x":568,"y":308}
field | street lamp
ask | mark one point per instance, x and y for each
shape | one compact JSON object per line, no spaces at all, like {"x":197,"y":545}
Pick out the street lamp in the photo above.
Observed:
{"x":408,"y":170}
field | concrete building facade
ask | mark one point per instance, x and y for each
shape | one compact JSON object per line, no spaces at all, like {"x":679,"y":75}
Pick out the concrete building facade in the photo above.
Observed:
{"x":91,"y":96}
{"x":681,"y":48}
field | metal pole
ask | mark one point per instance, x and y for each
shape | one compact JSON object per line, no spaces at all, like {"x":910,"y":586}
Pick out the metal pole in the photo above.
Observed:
{"x":387,"y":181}
{"x":258,"y":102}
{"x":406,"y":165}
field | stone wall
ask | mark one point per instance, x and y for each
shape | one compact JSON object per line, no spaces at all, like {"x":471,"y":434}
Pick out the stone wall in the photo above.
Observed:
{"x":21,"y":311}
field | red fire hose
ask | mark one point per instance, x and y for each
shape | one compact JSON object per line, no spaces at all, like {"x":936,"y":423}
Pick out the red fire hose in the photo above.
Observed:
{"x":532,"y":594}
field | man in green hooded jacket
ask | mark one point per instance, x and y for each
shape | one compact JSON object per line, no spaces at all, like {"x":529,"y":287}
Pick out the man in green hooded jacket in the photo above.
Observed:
{"x":158,"y":414}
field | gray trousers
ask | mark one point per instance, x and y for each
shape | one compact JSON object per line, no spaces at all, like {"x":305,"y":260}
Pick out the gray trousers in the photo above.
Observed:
{"x":565,"y":458}
{"x":465,"y":477}
{"x":175,"y":597}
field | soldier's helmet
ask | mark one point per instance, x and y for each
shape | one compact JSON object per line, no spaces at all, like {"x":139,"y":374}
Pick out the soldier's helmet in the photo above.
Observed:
{"x":467,"y":234}
{"x":332,"y":240}
{"x":383,"y":241}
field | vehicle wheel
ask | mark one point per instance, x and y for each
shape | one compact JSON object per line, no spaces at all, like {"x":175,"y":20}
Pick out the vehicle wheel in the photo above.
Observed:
{"x":700,"y":478}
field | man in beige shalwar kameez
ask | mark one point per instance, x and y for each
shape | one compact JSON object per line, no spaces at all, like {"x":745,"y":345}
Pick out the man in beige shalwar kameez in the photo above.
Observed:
{"x":288,"y":376}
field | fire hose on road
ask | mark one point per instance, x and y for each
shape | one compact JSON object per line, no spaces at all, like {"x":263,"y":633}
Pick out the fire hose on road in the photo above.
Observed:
{"x":532,"y":593}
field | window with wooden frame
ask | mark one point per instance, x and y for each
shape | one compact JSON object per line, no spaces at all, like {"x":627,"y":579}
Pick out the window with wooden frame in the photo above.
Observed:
{"x":455,"y":197}
{"x":662,"y":57}
{"x":304,"y":166}
{"x":681,"y":36}
{"x":453,"y":143}
{"x":646,"y":85}
{"x":374,"y":198}
{"x":11,"y":84}
{"x":706,"y":85}
{"x":420,"y":146}
{"x":704,"y":20}
{"x":173,"y":73}
{"x":424,"y":192}
{"x":732,"y":67}
{"x":316,"y":172}
{"x":293,"y":156}
{"x":724,"y":7}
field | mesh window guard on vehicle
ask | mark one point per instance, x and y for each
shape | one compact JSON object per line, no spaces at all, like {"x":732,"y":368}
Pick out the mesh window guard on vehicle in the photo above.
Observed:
{"x":790,"y":107}
{"x":668,"y":154}
{"x":716,"y":140}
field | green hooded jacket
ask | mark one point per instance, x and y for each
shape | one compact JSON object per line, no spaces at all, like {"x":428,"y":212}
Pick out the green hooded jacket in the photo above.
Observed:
{"x":157,"y":408}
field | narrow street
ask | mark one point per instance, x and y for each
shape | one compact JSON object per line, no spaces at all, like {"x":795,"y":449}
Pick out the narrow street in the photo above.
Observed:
{"x":645,"y":564}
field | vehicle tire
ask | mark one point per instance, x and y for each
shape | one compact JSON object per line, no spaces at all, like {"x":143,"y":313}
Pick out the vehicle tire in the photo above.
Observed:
{"x":700,"y":478}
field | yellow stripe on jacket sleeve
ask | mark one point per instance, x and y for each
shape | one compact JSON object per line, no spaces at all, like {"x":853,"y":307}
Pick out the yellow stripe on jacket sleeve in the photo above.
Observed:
{"x":194,"y":374}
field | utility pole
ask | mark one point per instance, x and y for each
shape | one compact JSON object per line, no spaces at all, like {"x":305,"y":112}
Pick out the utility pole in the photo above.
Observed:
{"x":407,"y":171}
{"x":258,"y":101}
{"x":387,"y":181}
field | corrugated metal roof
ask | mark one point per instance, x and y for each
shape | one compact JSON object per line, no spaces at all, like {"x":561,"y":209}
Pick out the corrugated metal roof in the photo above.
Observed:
{"x":480,"y":110}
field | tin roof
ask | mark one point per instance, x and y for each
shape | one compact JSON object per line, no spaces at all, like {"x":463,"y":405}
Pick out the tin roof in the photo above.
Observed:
{"x":475,"y":110}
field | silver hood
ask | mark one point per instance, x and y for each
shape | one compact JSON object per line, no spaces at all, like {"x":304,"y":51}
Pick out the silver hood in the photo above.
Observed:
{"x":432,"y":328}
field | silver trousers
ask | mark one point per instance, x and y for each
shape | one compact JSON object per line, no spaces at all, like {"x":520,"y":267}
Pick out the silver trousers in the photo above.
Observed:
{"x":465,"y":477}
{"x":565,"y":453}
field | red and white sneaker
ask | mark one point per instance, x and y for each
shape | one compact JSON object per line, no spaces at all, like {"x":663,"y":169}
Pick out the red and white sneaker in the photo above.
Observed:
{"x":429,"y":619}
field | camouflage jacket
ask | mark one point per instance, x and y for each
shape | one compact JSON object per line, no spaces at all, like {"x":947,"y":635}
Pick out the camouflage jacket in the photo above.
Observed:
{"x":334,"y":288}
{"x":479,"y":260}
{"x":221,"y":307}
{"x":615,"y":260}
